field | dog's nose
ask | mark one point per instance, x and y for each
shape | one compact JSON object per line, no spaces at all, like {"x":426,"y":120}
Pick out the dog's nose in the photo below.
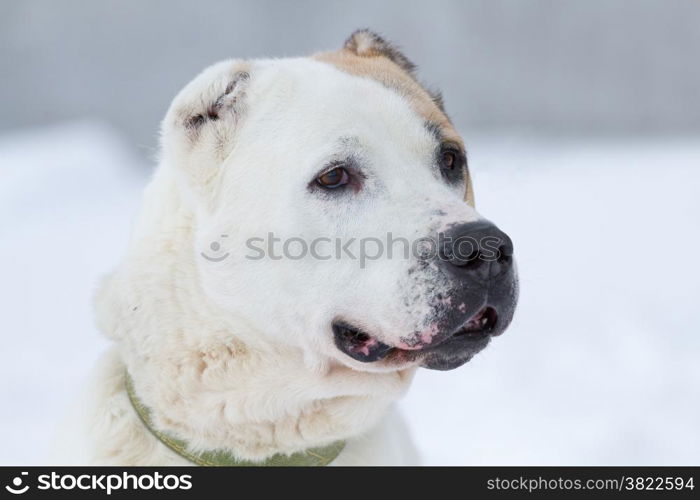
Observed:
{"x":477,"y":250}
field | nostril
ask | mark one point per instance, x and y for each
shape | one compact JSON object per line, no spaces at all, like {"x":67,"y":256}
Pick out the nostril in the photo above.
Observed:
{"x":473,"y":259}
{"x":479,"y":248}
{"x":469,"y":261}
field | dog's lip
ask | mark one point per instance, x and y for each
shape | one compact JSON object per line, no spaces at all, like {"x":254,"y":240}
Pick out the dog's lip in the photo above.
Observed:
{"x":358,"y":344}
{"x":362,"y":346}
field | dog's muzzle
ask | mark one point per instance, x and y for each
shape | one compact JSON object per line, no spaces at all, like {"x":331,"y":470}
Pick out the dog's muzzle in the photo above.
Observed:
{"x":477,"y":258}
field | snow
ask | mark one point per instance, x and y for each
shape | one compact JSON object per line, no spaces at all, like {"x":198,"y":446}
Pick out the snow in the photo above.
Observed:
{"x":67,"y":196}
{"x":599,"y":367}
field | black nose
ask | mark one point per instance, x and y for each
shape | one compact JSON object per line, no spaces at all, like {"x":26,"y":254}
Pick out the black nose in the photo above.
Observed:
{"x":478,"y":250}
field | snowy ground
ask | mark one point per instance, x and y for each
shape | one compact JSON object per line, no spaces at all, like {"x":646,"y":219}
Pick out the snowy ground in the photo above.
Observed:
{"x":601,"y":365}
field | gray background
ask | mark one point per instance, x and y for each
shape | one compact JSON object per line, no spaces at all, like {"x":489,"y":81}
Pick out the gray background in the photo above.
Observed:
{"x":593,"y":67}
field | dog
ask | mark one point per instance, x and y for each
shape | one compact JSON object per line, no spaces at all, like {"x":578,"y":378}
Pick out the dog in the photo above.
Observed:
{"x":228,"y":353}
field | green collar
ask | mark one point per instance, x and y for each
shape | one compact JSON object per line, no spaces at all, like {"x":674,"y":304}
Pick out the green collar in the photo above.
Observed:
{"x":219,"y":458}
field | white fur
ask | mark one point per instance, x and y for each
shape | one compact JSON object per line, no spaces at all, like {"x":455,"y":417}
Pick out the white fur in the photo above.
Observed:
{"x":238,"y":354}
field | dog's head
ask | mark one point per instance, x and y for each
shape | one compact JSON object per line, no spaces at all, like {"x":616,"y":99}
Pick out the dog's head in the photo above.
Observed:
{"x":334,"y":210}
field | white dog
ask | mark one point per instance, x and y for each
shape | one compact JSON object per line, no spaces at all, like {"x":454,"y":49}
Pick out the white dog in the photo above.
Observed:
{"x":256,"y":315}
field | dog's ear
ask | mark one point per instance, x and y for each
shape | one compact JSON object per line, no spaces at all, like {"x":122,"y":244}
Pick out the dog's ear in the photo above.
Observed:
{"x":366,"y":43}
{"x":200,"y":127}
{"x":215,"y":107}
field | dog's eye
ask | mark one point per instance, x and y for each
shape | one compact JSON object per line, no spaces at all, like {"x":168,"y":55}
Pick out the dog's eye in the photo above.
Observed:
{"x":448,"y":160}
{"x":451,"y":162}
{"x":334,"y":178}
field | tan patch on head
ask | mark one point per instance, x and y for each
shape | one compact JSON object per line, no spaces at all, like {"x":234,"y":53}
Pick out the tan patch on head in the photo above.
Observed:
{"x":365,"y":43}
{"x":367,"y":55}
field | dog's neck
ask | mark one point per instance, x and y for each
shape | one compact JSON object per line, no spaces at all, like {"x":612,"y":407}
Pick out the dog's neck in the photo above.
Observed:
{"x":191,"y":368}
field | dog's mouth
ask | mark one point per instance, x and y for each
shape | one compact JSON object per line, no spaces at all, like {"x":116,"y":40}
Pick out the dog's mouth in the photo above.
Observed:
{"x":471,"y":337}
{"x":358,"y":344}
{"x":482,"y":323}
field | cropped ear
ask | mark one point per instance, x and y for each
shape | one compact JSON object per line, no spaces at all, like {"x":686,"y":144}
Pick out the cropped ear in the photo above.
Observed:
{"x":215,"y":107}
{"x":366,"y":43}
{"x":199,"y":130}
